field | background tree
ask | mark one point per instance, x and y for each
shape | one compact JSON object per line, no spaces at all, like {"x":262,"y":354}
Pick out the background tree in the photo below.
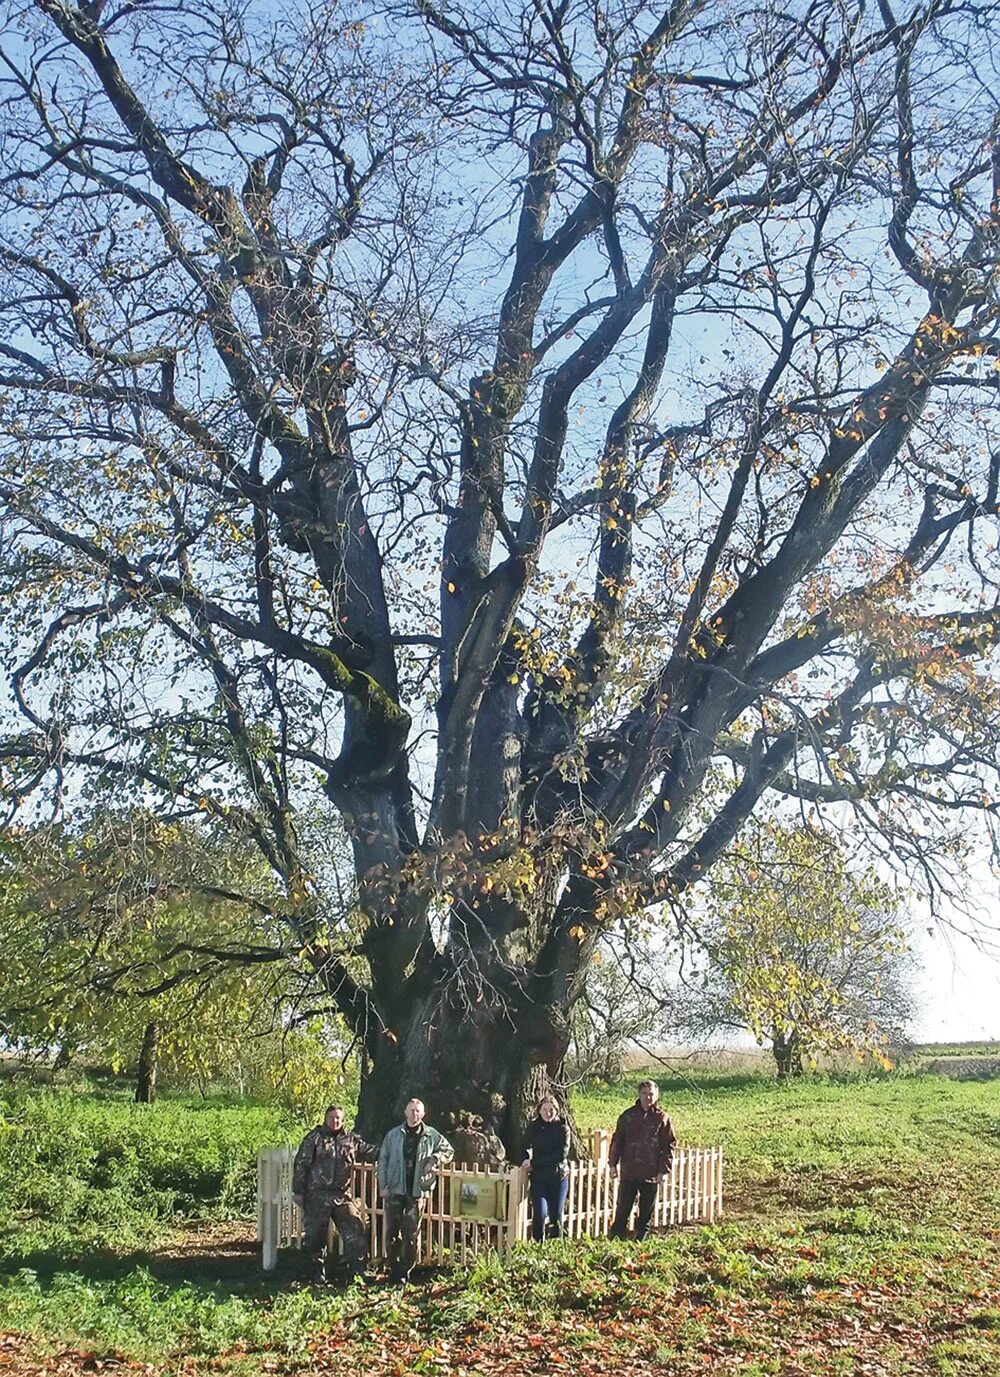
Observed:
{"x":117,"y":948}
{"x":803,"y":948}
{"x":627,"y":1005}
{"x":505,"y":425}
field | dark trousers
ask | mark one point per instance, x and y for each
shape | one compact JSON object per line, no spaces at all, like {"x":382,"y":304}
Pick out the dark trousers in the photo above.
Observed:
{"x":348,"y":1220}
{"x":402,"y":1225}
{"x":627,"y":1191}
{"x":548,"y":1200}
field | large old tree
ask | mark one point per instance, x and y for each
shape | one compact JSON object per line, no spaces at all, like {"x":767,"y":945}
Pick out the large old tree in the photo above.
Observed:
{"x":539,"y":433}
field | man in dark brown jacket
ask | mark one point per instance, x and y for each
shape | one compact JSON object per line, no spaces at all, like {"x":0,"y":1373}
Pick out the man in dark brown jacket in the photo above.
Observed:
{"x":642,"y":1150}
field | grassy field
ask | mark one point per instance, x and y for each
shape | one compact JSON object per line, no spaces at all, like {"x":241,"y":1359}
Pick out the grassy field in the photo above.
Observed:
{"x":861,"y":1239}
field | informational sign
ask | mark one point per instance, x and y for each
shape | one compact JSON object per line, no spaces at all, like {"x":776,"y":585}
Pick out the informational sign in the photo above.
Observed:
{"x":477,"y":1197}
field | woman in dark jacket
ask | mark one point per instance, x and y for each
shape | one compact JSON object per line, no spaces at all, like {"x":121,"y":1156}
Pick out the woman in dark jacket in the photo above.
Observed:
{"x":547,"y":1147}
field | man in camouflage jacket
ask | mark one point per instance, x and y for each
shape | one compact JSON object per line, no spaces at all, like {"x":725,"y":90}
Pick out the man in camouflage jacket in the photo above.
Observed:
{"x":322,"y":1187}
{"x":642,"y":1149}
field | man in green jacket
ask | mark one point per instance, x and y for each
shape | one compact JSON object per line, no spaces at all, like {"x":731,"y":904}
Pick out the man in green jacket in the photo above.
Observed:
{"x":408,"y":1162}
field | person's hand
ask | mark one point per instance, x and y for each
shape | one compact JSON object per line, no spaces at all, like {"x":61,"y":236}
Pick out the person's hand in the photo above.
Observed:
{"x":526,"y":1164}
{"x":661,"y":1178}
{"x":613,"y":1173}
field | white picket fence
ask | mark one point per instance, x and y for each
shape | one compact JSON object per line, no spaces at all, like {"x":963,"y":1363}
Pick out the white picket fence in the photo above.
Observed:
{"x":472,"y":1209}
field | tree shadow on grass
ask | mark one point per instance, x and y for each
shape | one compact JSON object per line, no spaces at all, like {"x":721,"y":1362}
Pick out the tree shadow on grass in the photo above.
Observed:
{"x":228,"y":1264}
{"x":675,"y":1082}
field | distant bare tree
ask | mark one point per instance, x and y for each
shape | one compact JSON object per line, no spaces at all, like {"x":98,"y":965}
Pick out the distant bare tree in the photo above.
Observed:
{"x":627,"y":1006}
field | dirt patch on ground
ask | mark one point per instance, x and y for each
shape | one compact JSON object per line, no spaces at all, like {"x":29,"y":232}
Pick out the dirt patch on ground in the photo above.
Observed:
{"x":214,"y":1242}
{"x":222,"y":1250}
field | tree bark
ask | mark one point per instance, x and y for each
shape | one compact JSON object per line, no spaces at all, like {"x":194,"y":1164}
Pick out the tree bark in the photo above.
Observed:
{"x":145,"y":1084}
{"x":492,"y":1058}
{"x":787,"y":1053}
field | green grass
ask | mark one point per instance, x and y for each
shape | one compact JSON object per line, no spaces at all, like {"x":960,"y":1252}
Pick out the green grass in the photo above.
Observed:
{"x":819,"y":1120}
{"x":862,"y":1234}
{"x":88,"y":1171}
{"x":145,"y":1316}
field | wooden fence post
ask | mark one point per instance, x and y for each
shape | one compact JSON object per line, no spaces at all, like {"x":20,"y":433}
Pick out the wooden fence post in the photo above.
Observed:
{"x":268,"y":1211}
{"x":510,"y":1232}
{"x":718,"y":1199}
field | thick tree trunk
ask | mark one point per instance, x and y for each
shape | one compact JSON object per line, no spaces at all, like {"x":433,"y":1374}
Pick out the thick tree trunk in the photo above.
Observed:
{"x":145,"y":1081}
{"x":484,"y":1058}
{"x":787,"y":1053}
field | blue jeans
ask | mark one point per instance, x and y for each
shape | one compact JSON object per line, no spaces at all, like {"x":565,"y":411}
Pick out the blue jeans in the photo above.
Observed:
{"x":548,"y":1199}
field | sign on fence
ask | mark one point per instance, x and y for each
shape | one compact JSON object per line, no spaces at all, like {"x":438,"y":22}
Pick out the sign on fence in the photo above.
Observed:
{"x":474,"y":1197}
{"x":472,"y":1209}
